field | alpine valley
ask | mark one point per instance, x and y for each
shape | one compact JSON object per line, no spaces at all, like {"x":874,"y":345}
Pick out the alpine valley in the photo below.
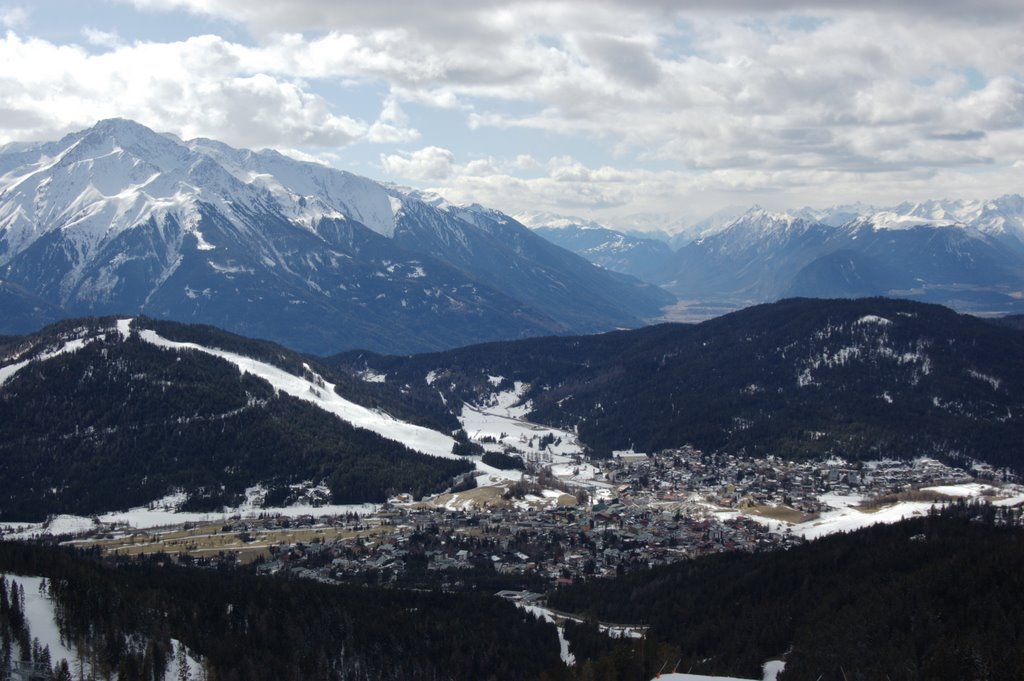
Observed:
{"x":262,"y":419}
{"x":120,"y":219}
{"x":488,"y":457}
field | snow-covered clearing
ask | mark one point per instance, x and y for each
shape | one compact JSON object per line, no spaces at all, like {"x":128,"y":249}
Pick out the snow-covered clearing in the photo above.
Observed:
{"x":846,"y":517}
{"x":40,"y":616}
{"x":770,"y":671}
{"x":164,"y":513}
{"x":697,"y":677}
{"x":510,"y":431}
{"x":321,"y":393}
{"x":563,"y":643}
{"x":42,"y":622}
{"x":71,"y":346}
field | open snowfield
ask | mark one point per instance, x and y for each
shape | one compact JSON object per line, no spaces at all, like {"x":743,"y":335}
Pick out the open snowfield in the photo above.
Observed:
{"x":163,"y":513}
{"x":845,"y":516}
{"x":772,"y":669}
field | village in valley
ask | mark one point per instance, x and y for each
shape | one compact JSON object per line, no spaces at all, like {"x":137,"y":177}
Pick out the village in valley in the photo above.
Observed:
{"x":572,"y":519}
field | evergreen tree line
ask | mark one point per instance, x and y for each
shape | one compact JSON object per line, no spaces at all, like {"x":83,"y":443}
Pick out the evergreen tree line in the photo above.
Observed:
{"x":244,"y":628}
{"x":931,"y":598}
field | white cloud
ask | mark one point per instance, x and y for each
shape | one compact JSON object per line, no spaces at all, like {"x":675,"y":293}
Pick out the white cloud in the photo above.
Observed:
{"x":194,"y":88}
{"x":676,"y":103}
{"x":13,"y":17}
{"x":392,"y":127}
{"x":99,"y":38}
{"x":429,"y":163}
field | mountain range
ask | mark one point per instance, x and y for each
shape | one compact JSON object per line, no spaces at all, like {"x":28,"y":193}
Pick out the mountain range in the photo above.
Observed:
{"x":968,"y":255}
{"x":118,"y":219}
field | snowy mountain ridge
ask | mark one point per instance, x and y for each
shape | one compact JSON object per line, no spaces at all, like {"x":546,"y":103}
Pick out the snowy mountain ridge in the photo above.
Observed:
{"x":120,"y":219}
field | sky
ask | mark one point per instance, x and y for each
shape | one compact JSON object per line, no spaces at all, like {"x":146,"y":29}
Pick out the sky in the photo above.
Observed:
{"x":644,"y":114}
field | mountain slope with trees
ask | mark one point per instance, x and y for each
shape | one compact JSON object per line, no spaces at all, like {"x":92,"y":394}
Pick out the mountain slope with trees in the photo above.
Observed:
{"x":866,"y":378}
{"x":119,"y":422}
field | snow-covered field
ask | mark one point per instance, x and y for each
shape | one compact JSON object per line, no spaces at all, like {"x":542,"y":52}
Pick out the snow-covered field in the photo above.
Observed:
{"x":163,"y":513}
{"x":846,"y":516}
{"x":771,"y":671}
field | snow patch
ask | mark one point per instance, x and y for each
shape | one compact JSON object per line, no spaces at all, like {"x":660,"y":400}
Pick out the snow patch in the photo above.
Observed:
{"x":124,"y":327}
{"x":563,"y":643}
{"x":70,"y":346}
{"x":991,"y":380}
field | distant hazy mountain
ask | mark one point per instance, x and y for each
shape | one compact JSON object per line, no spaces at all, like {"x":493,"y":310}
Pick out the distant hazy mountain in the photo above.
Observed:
{"x":119,"y":219}
{"x":628,"y":253}
{"x":965,"y":254}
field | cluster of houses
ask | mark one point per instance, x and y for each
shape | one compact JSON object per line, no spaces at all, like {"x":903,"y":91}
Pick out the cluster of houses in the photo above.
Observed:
{"x":554,"y":545}
{"x":658,"y":509}
{"x":738,"y":482}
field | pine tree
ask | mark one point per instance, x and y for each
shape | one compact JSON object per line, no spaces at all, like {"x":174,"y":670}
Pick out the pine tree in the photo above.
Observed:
{"x":62,"y":671}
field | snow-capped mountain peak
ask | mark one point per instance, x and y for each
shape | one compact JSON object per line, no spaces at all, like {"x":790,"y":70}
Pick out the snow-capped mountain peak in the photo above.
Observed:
{"x":118,"y":218}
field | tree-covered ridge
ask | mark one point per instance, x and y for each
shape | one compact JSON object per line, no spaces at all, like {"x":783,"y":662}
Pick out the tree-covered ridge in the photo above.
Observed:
{"x":934,"y":598}
{"x":121,"y":422}
{"x":247,"y":628}
{"x":384,"y":396}
{"x":865,"y":378}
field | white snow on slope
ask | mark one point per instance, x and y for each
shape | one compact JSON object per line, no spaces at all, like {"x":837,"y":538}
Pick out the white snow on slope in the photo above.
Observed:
{"x":771,"y":670}
{"x":697,"y":677}
{"x":873,"y":319}
{"x":563,"y":643}
{"x":890,"y":220}
{"x":71,"y":346}
{"x":846,"y":517}
{"x":515,"y":432}
{"x":40,"y":617}
{"x":415,"y":437}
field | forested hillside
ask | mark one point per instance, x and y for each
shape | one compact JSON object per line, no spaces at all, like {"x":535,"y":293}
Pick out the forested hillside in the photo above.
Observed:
{"x":120,"y":422}
{"x":928,"y":599}
{"x":867,"y":378}
{"x":246,"y":628}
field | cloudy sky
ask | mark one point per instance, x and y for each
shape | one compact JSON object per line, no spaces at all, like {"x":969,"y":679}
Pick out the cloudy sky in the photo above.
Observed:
{"x":633,"y":112}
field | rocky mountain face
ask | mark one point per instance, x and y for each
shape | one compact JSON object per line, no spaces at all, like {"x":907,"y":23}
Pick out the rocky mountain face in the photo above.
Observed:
{"x":628,"y":253}
{"x":120,"y":219}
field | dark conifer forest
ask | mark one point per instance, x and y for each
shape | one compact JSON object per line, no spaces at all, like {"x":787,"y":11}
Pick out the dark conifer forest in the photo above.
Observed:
{"x":120,"y":423}
{"x":801,"y":378}
{"x":933,"y":598}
